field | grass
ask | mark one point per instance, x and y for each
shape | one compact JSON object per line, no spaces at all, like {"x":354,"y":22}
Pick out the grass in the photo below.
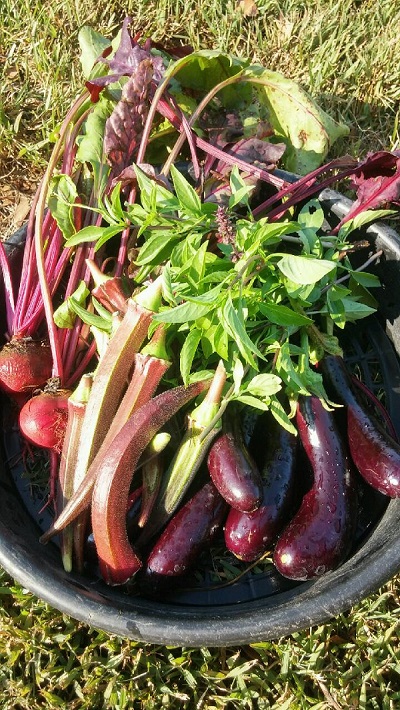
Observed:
{"x":347,"y":55}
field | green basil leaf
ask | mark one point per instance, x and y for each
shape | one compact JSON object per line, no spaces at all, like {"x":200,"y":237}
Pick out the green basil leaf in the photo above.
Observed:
{"x":252,"y":402}
{"x":99,"y":235}
{"x":88,"y":317}
{"x":188,"y":353}
{"x":264,"y":385}
{"x":304,"y":270}
{"x":184,"y":313}
{"x":364,"y":278}
{"x":189,"y":201}
{"x":360,"y":220}
{"x":153,"y":246}
{"x":234,"y":322}
{"x":280,"y":415}
{"x":153,"y":194}
{"x":282,"y":315}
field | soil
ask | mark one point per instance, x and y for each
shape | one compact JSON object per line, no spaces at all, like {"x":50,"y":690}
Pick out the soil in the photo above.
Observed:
{"x":17,"y":188}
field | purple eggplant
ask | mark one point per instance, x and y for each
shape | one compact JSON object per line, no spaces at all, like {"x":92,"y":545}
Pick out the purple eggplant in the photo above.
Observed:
{"x":374,"y":451}
{"x":187,"y":534}
{"x":233,"y":471}
{"x":320,"y":535}
{"x":249,"y":535}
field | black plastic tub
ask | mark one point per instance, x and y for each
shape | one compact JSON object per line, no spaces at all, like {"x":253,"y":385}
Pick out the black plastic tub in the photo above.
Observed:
{"x":259,"y":606}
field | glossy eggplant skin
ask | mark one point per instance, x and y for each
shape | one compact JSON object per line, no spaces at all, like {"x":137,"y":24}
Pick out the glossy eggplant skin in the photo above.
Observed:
{"x":187,"y":534}
{"x":375,"y":453}
{"x":233,"y":471}
{"x":320,"y":535}
{"x":250,"y":535}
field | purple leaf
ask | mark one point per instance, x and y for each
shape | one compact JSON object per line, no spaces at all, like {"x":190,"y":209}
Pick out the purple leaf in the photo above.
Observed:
{"x":254,"y":151}
{"x":376,"y":182}
{"x":125,"y":62}
{"x":124,"y":127}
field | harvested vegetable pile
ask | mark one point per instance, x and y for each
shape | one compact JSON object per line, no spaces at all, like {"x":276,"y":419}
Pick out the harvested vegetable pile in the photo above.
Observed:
{"x":179,"y":276}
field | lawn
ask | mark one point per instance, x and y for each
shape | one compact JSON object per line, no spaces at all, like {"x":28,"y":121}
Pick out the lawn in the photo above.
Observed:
{"x":347,"y":55}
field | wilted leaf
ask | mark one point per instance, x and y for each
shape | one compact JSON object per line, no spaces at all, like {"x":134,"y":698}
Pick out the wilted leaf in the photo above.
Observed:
{"x":307,"y":130}
{"x":248,"y":8}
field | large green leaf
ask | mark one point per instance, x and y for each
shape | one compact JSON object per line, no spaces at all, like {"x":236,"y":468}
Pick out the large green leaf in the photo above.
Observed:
{"x":304,"y":270}
{"x":92,"y":45}
{"x":308,"y":131}
{"x":203,"y":70}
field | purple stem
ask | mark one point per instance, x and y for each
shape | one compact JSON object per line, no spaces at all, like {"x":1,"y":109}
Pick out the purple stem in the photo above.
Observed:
{"x":8,"y":287}
{"x":210,"y":149}
{"x":377,"y":403}
{"x":83,"y":364}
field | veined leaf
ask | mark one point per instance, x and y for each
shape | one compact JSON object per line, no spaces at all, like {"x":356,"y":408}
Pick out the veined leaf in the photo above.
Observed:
{"x":360,"y":220}
{"x":206,"y":68}
{"x":307,"y":130}
{"x":88,"y":317}
{"x":189,"y":201}
{"x":152,"y":193}
{"x":62,"y":196}
{"x":210,"y":296}
{"x":234,"y":322}
{"x":188,"y":353}
{"x":282,"y":315}
{"x":93,"y":234}
{"x":347,"y":309}
{"x":280,"y":415}
{"x":304,"y":270}
{"x":264,"y":385}
{"x":237,"y":374}
{"x":154,"y":245}
{"x":92,"y":45}
{"x":183,"y":313}
{"x":364,"y":278}
{"x":252,"y":402}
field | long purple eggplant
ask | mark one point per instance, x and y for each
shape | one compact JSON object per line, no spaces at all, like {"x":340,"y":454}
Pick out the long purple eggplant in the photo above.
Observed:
{"x":320,"y":535}
{"x":233,"y":471}
{"x":187,"y":534}
{"x":249,"y":535}
{"x":374,"y":451}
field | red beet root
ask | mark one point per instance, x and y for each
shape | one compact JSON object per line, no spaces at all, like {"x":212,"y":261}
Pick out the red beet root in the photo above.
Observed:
{"x":43,"y":419}
{"x":25,"y":365}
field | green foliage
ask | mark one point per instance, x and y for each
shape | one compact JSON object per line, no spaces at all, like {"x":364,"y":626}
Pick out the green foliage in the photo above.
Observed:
{"x":255,"y":294}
